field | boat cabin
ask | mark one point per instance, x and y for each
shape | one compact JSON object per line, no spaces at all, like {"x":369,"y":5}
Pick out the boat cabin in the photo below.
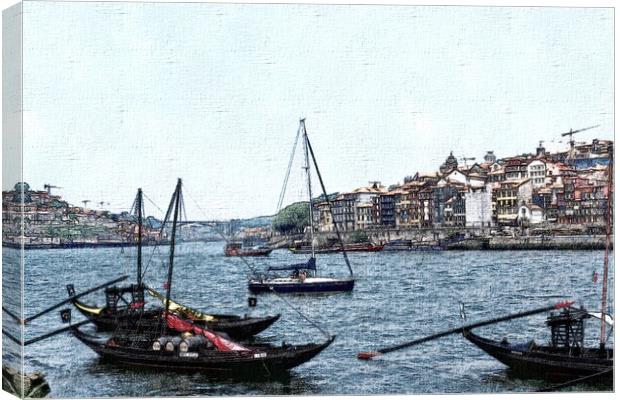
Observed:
{"x":125,"y":298}
{"x":567,"y":328}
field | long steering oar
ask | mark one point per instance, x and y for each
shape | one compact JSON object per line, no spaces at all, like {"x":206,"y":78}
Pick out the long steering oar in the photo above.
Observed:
{"x":12,"y":315}
{"x":66,"y":318}
{"x":76,"y":296}
{"x":367,"y":355}
{"x":56,"y":332}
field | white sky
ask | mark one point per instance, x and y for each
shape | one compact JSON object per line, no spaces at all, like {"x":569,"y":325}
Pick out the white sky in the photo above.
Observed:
{"x":122,"y":95}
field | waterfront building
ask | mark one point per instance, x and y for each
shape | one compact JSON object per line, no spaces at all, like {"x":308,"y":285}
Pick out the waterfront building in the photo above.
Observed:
{"x":589,"y":155}
{"x":479,"y":207}
{"x":387,"y":209}
{"x":509,"y":197}
{"x":454,"y":209}
{"x":366,"y":205}
{"x":515,"y":168}
{"x":50,"y":221}
{"x":537,"y":172}
{"x":585,"y":202}
{"x":530,"y":214}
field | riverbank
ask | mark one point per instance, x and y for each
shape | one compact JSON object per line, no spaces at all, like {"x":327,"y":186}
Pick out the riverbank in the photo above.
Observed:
{"x":464,"y":240}
{"x":82,"y":245}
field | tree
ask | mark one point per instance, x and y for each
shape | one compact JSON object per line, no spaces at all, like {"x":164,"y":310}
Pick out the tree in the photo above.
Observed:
{"x":293,"y":218}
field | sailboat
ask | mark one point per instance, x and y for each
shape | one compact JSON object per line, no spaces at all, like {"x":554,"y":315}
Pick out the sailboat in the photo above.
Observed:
{"x":125,"y":305}
{"x":303,"y":277}
{"x":192,"y":347}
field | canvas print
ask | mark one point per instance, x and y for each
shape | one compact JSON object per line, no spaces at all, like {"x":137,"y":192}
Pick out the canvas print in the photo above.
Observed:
{"x":205,"y":199}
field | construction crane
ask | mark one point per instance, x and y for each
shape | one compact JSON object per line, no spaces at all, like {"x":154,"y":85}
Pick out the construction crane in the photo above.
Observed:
{"x":49,"y":188}
{"x":465,"y":159}
{"x":571,"y":132}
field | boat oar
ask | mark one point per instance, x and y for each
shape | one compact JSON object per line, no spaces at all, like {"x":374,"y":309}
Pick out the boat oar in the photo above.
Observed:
{"x":367,"y":355}
{"x":13,"y":338}
{"x":15,"y":317}
{"x":55,"y":306}
{"x":56,"y":332}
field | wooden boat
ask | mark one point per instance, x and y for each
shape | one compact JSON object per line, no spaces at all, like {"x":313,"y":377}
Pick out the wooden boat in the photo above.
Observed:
{"x":302,"y":277}
{"x":236,"y":249}
{"x":566,"y":356}
{"x":255,"y":360}
{"x":236,"y":327}
{"x":354,"y":247}
{"x":553,"y":362}
{"x":126,"y":306}
{"x":408,"y":245}
{"x":197,"y":348}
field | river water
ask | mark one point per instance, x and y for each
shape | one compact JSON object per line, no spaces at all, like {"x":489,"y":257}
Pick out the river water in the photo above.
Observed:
{"x":398,"y":296}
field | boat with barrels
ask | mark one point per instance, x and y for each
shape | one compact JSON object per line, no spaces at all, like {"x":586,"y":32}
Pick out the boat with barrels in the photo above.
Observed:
{"x":198,"y":349}
{"x":175,"y":343}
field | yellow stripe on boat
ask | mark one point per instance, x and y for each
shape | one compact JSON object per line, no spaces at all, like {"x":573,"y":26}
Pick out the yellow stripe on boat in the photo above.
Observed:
{"x":179,"y":308}
{"x":91,"y":310}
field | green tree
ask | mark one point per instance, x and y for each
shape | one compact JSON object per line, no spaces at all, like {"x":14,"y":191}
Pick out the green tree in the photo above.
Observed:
{"x":293,"y":218}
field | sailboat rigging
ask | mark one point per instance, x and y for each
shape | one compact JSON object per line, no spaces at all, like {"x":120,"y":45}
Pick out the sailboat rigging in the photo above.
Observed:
{"x":303,"y":277}
{"x":198,"y":348}
{"x":125,"y":305}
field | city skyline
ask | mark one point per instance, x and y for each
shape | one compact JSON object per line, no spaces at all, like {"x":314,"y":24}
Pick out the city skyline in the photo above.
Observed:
{"x":136,"y":95}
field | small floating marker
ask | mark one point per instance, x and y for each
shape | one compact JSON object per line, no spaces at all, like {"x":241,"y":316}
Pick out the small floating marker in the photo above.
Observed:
{"x":367,"y":355}
{"x":252,"y":301}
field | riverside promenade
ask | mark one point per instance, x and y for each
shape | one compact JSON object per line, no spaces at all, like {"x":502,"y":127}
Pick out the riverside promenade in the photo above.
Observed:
{"x":466,"y":239}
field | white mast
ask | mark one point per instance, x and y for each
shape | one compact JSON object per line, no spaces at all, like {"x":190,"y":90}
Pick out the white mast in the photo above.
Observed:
{"x":307,"y":168}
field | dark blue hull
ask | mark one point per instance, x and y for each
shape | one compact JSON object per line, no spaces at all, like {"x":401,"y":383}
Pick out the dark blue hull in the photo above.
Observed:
{"x":344,"y":285}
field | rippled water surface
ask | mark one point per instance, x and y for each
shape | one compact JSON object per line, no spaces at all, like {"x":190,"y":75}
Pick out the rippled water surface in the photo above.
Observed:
{"x":398,"y":296}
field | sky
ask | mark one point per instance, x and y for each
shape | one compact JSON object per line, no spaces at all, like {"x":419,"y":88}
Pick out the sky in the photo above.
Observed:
{"x":125,"y":95}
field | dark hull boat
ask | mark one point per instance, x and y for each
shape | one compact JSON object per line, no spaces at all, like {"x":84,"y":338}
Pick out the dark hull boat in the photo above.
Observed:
{"x":125,"y":306}
{"x":172,"y":342}
{"x":234,"y":326}
{"x":261,"y":360}
{"x":552,"y":363}
{"x":408,"y":245}
{"x":308,"y":285}
{"x":337,"y":249}
{"x":236,"y":249}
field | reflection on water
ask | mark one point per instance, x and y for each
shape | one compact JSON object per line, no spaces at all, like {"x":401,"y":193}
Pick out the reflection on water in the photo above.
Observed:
{"x":398,"y":296}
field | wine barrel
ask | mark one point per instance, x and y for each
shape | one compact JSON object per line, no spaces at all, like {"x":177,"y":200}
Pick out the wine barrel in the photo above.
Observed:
{"x":168,"y":343}
{"x":172,"y":343}
{"x":192,"y":343}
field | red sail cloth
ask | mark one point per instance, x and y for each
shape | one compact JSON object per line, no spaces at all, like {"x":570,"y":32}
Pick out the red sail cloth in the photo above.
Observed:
{"x":181,"y":325}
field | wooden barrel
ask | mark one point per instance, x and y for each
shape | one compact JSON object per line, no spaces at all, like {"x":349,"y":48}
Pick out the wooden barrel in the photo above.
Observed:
{"x":192,"y":343}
